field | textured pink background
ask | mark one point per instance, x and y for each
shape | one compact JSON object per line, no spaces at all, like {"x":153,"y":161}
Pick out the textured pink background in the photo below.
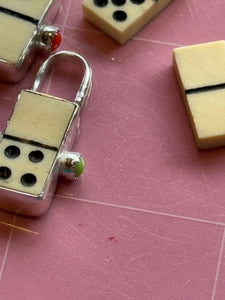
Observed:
{"x":147,"y":219}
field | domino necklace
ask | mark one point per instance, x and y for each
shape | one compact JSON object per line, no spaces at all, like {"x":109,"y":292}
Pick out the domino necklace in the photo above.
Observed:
{"x":35,"y":147}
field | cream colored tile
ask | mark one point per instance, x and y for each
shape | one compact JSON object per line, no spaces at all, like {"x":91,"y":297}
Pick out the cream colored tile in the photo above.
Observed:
{"x":32,"y":8}
{"x":16,"y":34}
{"x":208,"y":118}
{"x":13,"y":167}
{"x":200,"y":65}
{"x":40,"y":118}
{"x":122,"y":19}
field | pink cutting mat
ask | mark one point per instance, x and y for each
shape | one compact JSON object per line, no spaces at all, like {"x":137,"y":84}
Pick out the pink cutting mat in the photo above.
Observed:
{"x":147,"y":219}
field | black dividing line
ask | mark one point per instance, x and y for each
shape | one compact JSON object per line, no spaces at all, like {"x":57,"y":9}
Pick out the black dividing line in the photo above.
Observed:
{"x":17,"y":139}
{"x":19,"y":15}
{"x":205,"y":89}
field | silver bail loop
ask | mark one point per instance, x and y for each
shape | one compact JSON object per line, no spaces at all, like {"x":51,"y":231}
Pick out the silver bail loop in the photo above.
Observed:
{"x":85,"y":87}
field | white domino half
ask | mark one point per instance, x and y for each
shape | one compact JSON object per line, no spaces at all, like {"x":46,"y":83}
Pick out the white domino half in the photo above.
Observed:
{"x":32,"y":8}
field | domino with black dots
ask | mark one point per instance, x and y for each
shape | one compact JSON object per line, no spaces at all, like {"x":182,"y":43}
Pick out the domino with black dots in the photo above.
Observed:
{"x":122,"y":19}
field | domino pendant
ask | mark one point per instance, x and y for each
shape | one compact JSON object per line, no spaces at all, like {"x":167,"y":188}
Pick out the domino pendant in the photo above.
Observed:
{"x":200,"y":72}
{"x":122,"y":19}
{"x":35,"y":147}
{"x":25,"y":27}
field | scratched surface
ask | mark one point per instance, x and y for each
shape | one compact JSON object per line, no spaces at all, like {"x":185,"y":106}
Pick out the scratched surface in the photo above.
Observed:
{"x":147,"y":219}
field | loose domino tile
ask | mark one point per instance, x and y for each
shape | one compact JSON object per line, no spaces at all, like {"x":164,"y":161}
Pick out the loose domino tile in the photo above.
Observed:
{"x":121,"y":19}
{"x":200,"y":72}
{"x":37,"y":128}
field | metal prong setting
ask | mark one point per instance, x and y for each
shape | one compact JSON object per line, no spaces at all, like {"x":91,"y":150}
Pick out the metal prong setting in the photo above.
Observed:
{"x":48,"y":38}
{"x":71,"y":165}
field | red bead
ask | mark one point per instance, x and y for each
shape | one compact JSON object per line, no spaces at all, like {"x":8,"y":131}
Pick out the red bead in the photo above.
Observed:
{"x":56,"y":41}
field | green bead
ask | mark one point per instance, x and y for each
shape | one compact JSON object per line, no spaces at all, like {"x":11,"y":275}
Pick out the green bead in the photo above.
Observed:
{"x":79,"y":167}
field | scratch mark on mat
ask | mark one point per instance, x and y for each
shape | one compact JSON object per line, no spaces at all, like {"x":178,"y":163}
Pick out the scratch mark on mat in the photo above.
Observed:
{"x":183,"y":287}
{"x":190,"y":9}
{"x":7,"y":249}
{"x":74,"y":228}
{"x":18,"y":227}
{"x":154,"y":212}
{"x":158,"y":42}
{"x":218,"y":266}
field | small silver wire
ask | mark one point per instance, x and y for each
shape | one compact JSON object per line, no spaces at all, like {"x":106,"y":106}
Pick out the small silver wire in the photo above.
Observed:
{"x":85,"y":87}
